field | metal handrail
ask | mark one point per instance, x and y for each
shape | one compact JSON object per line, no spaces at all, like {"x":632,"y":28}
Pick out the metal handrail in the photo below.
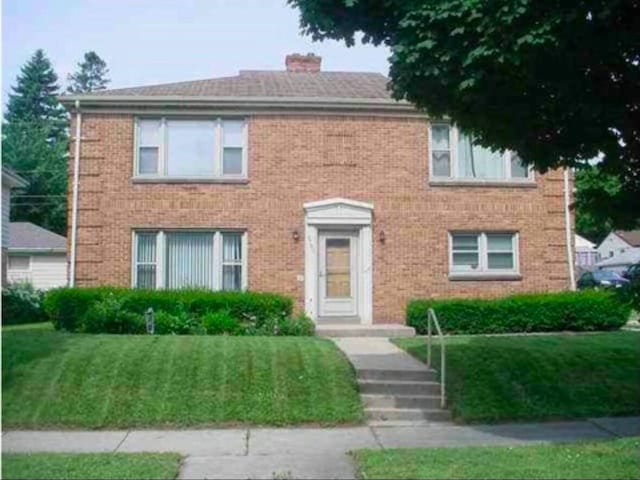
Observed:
{"x":432,"y":318}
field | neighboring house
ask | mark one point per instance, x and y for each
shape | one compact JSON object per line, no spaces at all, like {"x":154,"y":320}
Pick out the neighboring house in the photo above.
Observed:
{"x":617,"y":242}
{"x":313,"y":184}
{"x":10,"y":180}
{"x":620,"y":262}
{"x":37,"y":256}
{"x":586,"y":253}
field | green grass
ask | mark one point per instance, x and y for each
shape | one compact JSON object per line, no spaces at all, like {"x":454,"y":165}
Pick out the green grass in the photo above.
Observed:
{"x":44,"y":326}
{"x":103,"y":466}
{"x":52,"y":379}
{"x":615,"y":459}
{"x":541,"y":377}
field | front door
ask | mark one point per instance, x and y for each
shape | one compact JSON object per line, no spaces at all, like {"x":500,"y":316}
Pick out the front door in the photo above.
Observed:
{"x":338,"y":274}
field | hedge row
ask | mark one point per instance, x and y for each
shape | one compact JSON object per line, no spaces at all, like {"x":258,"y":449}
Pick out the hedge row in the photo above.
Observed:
{"x":547,"y":312}
{"x":121,"y":310}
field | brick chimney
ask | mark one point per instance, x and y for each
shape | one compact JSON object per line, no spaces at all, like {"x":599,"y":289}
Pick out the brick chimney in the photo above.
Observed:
{"x":309,"y":63}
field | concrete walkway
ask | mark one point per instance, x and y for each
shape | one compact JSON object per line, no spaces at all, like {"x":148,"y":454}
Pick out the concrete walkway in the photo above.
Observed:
{"x":304,"y":452}
{"x":377,"y":354}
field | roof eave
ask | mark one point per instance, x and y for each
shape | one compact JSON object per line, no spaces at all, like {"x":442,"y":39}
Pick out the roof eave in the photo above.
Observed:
{"x":240,"y":102}
{"x":12,"y":179}
{"x":36,"y":250}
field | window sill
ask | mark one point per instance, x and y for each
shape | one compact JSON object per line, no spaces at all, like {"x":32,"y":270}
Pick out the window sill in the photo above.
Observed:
{"x":240,"y":181}
{"x":484,"y":277}
{"x":458,"y":182}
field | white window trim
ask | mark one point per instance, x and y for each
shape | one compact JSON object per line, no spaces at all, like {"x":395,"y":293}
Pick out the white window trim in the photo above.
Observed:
{"x":483,"y":271}
{"x":217,"y":254}
{"x":22,"y":270}
{"x":454,"y":174}
{"x":162,"y":151}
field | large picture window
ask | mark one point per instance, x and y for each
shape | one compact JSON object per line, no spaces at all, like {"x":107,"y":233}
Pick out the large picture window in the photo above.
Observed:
{"x":176,"y":259}
{"x":455,"y":155}
{"x":190,"y":149}
{"x":483,"y":253}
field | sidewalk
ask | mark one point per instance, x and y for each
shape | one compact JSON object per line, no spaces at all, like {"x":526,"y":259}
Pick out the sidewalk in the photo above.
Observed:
{"x":304,"y":452}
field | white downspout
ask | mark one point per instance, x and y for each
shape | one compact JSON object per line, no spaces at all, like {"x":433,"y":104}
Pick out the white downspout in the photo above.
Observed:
{"x":74,"y":207}
{"x":567,"y":228}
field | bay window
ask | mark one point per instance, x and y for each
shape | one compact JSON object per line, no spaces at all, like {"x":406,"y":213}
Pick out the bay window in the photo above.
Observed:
{"x":173,"y":259}
{"x":454,"y":155}
{"x":190,"y":148}
{"x":483,"y":253}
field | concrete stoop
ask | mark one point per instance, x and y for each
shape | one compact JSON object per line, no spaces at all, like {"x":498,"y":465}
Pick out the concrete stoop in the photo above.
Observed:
{"x":384,"y":330}
{"x":401,"y":396}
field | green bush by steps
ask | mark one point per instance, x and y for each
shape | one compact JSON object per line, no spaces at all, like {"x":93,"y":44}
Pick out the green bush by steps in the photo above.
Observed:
{"x":22,"y":303}
{"x":121,"y":310}
{"x":544,"y":312}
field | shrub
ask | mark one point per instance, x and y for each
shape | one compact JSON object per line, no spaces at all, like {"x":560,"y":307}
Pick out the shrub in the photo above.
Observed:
{"x":545,"y":312}
{"x":66,"y":307}
{"x":177,"y":311}
{"x":221,"y":322}
{"x":298,"y":326}
{"x":22,"y":303}
{"x":109,"y":316}
{"x":179,"y":323}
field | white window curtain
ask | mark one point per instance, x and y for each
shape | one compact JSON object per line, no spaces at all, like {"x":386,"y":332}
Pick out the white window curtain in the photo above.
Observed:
{"x":232,"y":261}
{"x":475,"y":161}
{"x":440,"y":150}
{"x":189,"y":260}
{"x":146,"y":266}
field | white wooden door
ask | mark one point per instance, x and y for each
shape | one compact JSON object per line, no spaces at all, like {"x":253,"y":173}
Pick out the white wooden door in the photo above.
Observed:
{"x":338,"y":274}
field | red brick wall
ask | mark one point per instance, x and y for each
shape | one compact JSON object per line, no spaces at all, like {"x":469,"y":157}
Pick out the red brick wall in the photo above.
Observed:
{"x":298,"y":159}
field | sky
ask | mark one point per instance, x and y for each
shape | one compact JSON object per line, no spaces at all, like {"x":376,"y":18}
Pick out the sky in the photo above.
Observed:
{"x":158,"y":41}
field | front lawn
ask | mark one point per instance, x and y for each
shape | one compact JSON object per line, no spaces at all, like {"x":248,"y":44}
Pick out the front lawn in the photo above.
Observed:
{"x":102,"y":466}
{"x":614,"y":459}
{"x":52,"y":379}
{"x":540,"y":377}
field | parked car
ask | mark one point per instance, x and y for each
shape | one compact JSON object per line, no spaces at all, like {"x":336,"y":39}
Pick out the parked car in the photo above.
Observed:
{"x":602,"y":279}
{"x":632,"y":272}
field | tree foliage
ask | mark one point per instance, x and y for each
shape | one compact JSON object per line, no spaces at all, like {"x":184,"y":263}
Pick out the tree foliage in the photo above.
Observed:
{"x":33,"y":99}
{"x":593,"y":188}
{"x":91,"y":75}
{"x":558,"y":81}
{"x":34,"y":143}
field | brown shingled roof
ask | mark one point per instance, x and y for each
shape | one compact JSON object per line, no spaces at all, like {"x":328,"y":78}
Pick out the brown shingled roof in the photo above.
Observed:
{"x":632,"y":237}
{"x":266,"y":83}
{"x":28,"y":236}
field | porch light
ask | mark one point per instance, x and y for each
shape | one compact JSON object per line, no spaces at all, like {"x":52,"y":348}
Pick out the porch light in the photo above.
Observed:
{"x":382,"y":236}
{"x":295,"y":235}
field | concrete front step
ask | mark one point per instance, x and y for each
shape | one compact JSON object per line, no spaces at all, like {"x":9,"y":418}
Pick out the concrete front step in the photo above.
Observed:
{"x":398,"y":375}
{"x":433,"y":415}
{"x":386,"y":330}
{"x":401,"y":401}
{"x":398,"y":387}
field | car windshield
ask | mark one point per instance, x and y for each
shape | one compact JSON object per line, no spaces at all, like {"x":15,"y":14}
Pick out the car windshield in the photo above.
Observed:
{"x":606,"y":275}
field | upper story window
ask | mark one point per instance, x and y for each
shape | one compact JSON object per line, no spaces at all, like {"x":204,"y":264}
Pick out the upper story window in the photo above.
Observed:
{"x":190,"y":148}
{"x":453,"y":155}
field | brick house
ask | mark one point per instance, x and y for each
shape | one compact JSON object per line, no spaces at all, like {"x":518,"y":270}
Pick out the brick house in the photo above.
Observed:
{"x":313,"y":184}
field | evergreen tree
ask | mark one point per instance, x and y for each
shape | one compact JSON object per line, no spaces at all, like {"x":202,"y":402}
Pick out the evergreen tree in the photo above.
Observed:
{"x":34,"y":97}
{"x":91,"y":76}
{"x":34,"y":143}
{"x":27,"y":147}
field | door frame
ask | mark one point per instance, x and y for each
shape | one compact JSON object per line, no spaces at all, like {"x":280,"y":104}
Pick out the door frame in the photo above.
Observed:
{"x":339,"y":214}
